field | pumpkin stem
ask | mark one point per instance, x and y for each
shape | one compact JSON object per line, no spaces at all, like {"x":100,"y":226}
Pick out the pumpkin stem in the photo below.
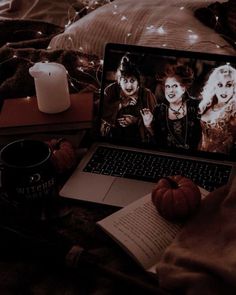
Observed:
{"x":172,"y":183}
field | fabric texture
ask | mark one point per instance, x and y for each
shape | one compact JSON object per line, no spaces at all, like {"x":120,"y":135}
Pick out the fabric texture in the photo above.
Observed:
{"x":22,"y":47}
{"x":202,"y":258}
{"x":221,"y":17}
{"x":160,"y":23}
{"x":231,"y":16}
{"x":57,"y":12}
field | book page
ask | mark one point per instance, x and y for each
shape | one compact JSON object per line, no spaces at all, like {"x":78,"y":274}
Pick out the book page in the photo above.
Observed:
{"x":141,"y":231}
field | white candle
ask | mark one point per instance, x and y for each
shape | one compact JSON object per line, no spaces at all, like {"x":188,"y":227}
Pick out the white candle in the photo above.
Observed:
{"x":51,"y":87}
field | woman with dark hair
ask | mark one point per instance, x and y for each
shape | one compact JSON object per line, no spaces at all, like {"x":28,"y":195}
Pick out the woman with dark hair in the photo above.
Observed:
{"x":123,"y":101}
{"x":175,"y":122}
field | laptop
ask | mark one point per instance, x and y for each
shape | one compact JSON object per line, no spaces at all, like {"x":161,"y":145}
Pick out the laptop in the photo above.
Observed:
{"x":97,"y":179}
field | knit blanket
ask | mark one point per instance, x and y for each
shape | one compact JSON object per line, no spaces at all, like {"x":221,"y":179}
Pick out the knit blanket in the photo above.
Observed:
{"x":202,"y":259}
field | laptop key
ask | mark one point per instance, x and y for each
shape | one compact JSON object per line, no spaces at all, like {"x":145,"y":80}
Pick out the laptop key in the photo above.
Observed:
{"x":150,"y":167}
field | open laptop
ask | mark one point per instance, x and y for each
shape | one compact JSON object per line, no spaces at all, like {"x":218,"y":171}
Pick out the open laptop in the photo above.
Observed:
{"x":115,"y":184}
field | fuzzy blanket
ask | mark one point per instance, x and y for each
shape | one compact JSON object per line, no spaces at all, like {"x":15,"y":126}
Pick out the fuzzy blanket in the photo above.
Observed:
{"x":202,"y":259}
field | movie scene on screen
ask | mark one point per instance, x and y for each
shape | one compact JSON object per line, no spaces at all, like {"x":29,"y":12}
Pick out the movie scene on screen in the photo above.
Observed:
{"x":168,"y":102}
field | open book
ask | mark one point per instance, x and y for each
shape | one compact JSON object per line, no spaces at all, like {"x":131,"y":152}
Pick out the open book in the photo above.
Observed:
{"x":141,"y":231}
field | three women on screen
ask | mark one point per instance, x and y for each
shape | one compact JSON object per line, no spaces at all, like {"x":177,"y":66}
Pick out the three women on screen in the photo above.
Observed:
{"x":173,"y":118}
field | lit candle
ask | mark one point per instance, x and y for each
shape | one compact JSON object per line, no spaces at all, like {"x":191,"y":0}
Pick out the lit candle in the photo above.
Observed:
{"x":51,"y":87}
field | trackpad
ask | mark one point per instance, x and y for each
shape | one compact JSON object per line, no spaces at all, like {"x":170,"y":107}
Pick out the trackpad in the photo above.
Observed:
{"x":125,"y":191}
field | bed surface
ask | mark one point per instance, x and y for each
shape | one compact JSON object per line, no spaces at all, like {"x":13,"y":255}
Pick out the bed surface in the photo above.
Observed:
{"x":74,"y":33}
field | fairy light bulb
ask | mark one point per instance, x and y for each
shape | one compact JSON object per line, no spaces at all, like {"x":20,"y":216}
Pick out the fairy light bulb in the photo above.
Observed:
{"x":124,"y":18}
{"x":68,"y":24}
{"x":193,"y":38}
{"x":80,"y":69}
{"x":149,"y":28}
{"x":161,"y":30}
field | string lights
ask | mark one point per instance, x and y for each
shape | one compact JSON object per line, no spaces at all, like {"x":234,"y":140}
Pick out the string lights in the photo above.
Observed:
{"x":85,"y":66}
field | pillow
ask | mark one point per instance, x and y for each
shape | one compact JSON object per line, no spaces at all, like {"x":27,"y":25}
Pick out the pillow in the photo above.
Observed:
{"x":158,"y":23}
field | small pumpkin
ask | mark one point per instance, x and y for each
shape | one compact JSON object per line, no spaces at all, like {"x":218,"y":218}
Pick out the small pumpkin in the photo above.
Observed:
{"x":63,"y":154}
{"x":176,"y":197}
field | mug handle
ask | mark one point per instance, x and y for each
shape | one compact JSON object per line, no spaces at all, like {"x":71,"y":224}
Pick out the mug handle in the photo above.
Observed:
{"x":3,"y":194}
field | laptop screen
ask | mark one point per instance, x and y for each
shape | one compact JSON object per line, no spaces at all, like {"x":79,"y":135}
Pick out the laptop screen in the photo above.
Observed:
{"x":169,"y":100}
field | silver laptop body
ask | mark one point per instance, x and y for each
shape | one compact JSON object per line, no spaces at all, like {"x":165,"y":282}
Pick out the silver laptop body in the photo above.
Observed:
{"x":93,"y":186}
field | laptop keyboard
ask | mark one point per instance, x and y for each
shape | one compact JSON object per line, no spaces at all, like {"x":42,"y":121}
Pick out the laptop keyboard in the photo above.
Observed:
{"x":151,"y":167}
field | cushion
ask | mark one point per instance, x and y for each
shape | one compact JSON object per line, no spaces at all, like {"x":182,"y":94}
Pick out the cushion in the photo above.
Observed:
{"x":158,"y":23}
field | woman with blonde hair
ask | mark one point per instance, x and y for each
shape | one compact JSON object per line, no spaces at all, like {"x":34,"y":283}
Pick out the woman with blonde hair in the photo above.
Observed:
{"x":218,"y":111}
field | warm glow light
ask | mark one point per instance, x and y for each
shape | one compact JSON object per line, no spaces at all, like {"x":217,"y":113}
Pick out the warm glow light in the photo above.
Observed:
{"x":86,"y":65}
{"x":193,"y":38}
{"x":160,"y":30}
{"x":80,"y":69}
{"x":150,"y":27}
{"x":124,"y":18}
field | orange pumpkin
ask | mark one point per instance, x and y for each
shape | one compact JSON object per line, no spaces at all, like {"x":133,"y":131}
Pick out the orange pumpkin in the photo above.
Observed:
{"x":176,"y":197}
{"x":63,"y":154}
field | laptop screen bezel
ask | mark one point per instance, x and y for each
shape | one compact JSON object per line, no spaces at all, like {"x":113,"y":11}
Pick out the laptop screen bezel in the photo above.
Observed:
{"x":165,"y":52}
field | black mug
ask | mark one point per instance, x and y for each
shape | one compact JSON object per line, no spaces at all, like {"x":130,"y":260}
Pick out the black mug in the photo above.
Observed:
{"x":27,"y":174}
